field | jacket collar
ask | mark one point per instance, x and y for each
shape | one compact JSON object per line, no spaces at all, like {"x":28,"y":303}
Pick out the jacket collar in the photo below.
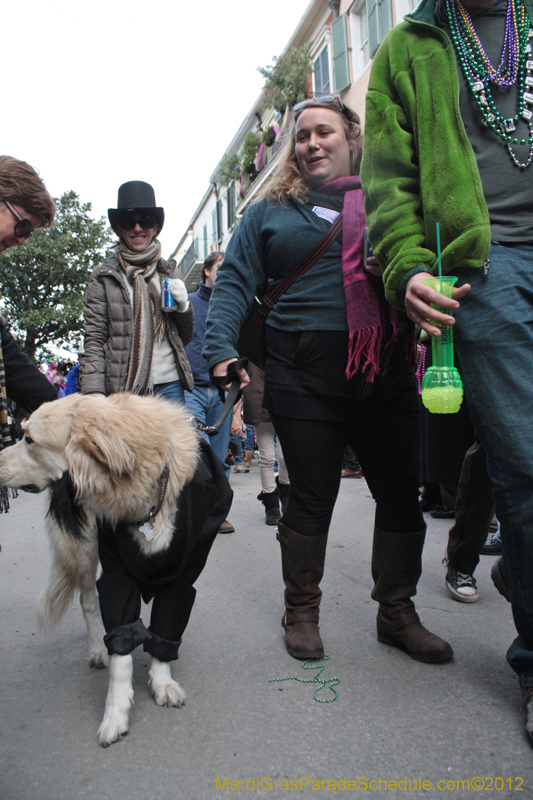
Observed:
{"x":204,"y":292}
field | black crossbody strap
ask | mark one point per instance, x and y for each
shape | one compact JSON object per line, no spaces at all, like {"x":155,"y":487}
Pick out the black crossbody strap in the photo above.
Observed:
{"x":271,"y":298}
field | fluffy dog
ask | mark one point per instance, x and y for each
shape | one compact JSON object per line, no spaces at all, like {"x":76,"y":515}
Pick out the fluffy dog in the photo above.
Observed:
{"x":112,"y":464}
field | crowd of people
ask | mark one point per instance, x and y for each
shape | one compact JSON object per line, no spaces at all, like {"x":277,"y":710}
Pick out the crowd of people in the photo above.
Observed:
{"x":336,"y":396}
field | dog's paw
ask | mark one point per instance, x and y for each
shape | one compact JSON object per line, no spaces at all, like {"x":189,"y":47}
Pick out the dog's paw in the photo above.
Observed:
{"x":113,"y":731}
{"x":168,"y":694}
{"x":115,"y":724}
{"x":98,"y":659}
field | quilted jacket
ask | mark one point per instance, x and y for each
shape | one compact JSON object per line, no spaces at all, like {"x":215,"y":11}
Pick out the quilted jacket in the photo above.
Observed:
{"x":108,"y":330}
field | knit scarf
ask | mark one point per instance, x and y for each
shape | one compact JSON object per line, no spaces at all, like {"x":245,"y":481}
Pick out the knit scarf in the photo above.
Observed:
{"x":149,"y":323}
{"x":372,"y":323}
{"x":5,"y":435}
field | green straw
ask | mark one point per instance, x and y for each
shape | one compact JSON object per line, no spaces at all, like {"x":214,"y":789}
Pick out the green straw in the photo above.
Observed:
{"x":438,"y":256}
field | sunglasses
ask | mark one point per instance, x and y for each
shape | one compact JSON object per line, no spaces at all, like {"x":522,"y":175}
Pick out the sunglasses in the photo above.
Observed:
{"x":128,"y":223}
{"x":323,"y":100}
{"x":23,"y":227}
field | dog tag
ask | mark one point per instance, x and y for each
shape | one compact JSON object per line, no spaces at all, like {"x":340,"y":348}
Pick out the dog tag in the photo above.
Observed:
{"x":148,"y":531}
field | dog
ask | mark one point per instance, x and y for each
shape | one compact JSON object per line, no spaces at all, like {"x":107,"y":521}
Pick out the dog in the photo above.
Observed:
{"x":130,"y":483}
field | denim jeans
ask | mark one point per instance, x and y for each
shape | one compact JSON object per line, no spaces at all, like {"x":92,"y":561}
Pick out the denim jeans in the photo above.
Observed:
{"x":494,"y":338}
{"x":250,"y":441}
{"x":170,"y":391}
{"x":205,"y":404}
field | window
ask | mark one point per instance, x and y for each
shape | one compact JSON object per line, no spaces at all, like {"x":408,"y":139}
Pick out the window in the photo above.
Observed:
{"x":196,"y":247}
{"x":404,"y":7}
{"x":204,"y":235}
{"x":359,"y":37}
{"x":321,"y":73}
{"x":379,"y":16}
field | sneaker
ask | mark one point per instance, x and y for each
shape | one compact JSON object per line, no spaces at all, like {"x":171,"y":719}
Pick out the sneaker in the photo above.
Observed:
{"x":241,"y":468}
{"x":527,"y":696}
{"x":499,"y":580}
{"x":461,"y":586}
{"x":493,"y":545}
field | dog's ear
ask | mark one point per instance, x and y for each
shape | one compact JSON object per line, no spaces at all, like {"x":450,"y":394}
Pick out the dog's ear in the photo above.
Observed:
{"x":102,"y":443}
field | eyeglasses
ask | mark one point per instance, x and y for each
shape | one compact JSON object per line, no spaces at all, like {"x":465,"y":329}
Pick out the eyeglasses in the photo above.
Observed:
{"x":323,"y":100}
{"x":23,"y":227}
{"x":128,"y":223}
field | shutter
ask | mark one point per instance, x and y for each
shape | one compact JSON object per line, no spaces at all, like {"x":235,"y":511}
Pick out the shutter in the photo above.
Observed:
{"x":230,"y":200}
{"x":205,"y":240}
{"x":385,"y":18}
{"x":214,"y":232}
{"x":218,"y":210}
{"x":341,"y":67}
{"x":196,"y":247}
{"x":373,"y":26}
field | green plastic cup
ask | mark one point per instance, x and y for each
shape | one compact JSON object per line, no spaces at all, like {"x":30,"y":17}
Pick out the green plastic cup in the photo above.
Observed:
{"x":442,"y":387}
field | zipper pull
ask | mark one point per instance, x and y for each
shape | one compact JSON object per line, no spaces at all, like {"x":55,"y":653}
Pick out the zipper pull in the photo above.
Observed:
{"x":486,"y":266}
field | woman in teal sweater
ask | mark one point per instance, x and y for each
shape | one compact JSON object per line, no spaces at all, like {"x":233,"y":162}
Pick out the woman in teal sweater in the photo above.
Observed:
{"x":337,"y":373}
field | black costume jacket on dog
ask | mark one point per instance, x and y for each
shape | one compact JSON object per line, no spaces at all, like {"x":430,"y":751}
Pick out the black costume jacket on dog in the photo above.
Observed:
{"x":166,"y":577}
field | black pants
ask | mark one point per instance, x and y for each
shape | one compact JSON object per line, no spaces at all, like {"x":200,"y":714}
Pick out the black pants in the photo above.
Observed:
{"x":474,"y":510}
{"x":384,"y":431}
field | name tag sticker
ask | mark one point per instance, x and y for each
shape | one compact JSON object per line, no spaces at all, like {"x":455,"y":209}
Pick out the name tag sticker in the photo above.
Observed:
{"x":326,"y":213}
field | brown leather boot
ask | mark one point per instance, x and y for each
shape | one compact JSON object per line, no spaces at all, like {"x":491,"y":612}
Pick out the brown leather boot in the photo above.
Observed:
{"x":396,"y":568}
{"x":302,"y":563}
{"x":247,"y":458}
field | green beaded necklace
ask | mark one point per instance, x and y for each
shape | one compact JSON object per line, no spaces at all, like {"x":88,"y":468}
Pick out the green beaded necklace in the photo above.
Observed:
{"x":516,"y":66}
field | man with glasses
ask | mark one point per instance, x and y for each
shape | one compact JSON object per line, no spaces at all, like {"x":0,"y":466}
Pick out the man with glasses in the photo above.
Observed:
{"x":25,"y":205}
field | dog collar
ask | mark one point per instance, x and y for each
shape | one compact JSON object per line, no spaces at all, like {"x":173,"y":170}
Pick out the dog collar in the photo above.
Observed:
{"x":154,"y":511}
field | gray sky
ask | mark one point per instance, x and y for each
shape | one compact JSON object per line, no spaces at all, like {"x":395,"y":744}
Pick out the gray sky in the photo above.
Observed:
{"x":100,"y":92}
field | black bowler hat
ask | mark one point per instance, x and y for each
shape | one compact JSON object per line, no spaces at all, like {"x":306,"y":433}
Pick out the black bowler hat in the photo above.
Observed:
{"x":136,"y":196}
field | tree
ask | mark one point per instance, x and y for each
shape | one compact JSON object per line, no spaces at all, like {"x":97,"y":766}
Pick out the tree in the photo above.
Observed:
{"x":43,"y":283}
{"x":287,"y":80}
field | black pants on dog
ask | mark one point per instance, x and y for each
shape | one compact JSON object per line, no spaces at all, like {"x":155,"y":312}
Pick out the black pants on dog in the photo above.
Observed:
{"x":167,"y":578}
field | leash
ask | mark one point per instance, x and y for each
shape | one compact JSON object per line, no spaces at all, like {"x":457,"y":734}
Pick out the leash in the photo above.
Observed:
{"x":230,"y":399}
{"x":314,"y":663}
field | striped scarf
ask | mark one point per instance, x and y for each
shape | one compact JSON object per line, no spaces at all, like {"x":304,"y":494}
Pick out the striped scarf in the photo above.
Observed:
{"x":149,"y":322}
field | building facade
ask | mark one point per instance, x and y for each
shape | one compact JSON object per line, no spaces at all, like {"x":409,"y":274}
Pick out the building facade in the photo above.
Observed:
{"x":343,"y":36}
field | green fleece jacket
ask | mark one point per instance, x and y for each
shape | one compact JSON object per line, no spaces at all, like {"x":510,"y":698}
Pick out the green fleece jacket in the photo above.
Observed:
{"x":418,"y":166}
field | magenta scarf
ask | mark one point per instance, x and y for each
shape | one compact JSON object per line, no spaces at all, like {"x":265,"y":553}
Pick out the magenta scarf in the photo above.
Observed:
{"x":372,"y":322}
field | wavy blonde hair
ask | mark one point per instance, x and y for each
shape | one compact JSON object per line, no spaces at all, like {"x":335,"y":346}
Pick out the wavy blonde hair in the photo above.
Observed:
{"x":287,"y":182}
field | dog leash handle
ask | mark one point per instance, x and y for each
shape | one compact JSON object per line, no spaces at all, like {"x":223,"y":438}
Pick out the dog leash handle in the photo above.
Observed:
{"x":230,"y":399}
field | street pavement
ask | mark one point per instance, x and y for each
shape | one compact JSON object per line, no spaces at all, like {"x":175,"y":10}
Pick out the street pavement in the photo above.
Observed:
{"x":395,"y":719}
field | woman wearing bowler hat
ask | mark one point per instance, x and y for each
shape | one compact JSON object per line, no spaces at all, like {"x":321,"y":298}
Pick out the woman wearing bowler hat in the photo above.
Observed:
{"x":130,"y":343}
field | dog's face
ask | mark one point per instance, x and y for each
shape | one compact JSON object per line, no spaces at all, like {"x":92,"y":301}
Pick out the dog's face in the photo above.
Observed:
{"x":40,"y":458}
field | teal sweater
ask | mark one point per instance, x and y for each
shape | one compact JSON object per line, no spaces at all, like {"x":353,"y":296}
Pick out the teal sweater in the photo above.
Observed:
{"x":418,"y":166}
{"x":270,"y":241}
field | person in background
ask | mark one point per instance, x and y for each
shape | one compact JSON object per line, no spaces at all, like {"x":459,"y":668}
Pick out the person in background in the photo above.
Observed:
{"x":203,"y":400}
{"x":25,"y":205}
{"x":131,"y":344}
{"x":73,"y":380}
